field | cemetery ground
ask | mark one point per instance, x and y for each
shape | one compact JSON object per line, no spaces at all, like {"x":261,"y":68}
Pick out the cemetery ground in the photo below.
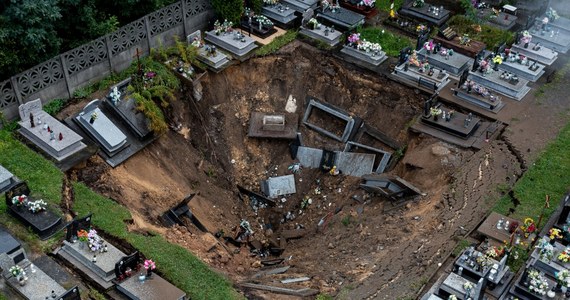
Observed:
{"x":367,"y":249}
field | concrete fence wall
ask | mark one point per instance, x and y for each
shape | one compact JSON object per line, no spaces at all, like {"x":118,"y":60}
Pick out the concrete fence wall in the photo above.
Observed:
{"x":60,"y":76}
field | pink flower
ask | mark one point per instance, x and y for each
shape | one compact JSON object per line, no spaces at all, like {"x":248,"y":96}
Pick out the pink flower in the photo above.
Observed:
{"x":354,"y":38}
{"x":149,"y":264}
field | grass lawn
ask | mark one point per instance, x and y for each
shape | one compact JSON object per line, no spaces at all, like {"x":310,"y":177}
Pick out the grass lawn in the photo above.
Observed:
{"x":489,"y":35}
{"x":177,"y":264}
{"x":277,"y":43}
{"x":390,"y":42}
{"x":547,"y":176}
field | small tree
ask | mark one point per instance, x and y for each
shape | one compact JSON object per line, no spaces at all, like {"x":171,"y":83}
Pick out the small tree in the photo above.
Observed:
{"x":230,"y":10}
{"x":256,"y":5}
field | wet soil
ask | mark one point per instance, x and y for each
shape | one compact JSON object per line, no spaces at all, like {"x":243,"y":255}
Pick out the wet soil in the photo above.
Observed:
{"x":364,"y":250}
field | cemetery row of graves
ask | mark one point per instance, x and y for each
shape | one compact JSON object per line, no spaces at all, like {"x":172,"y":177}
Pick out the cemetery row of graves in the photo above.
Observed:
{"x":450,"y":68}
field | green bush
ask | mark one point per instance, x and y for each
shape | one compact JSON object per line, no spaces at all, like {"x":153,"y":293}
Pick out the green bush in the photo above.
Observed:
{"x":230,"y":10}
{"x":55,"y":106}
{"x":256,"y":6}
{"x":384,"y":5}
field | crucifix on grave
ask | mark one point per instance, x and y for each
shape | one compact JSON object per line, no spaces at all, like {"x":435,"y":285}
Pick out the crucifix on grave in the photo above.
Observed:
{"x":139,"y":65}
{"x":428,"y":103}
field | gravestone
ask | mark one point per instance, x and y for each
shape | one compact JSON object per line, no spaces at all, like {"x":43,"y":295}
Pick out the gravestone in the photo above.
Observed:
{"x":236,"y":43}
{"x":126,"y":265}
{"x":421,"y":40}
{"x":194,"y":36}
{"x":365,"y":58}
{"x":76,"y":225}
{"x":278,"y":186}
{"x":44,"y":223}
{"x":41,"y":137}
{"x":126,"y":109}
{"x":94,"y":121}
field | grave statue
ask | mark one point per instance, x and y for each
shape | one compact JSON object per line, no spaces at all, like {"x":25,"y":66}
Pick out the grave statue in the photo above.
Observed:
{"x":32,"y":121}
{"x":115,"y":95}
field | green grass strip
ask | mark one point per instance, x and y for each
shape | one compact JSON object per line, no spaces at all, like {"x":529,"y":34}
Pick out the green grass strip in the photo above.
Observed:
{"x":277,"y":43}
{"x":547,"y":176}
{"x":177,"y":264}
{"x":391,"y":43}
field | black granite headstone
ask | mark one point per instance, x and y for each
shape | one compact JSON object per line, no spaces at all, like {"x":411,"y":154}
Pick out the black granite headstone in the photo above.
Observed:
{"x":127,"y":262}
{"x":78,"y":224}
{"x":71,"y":294}
{"x":17,"y":190}
{"x":422,"y":39}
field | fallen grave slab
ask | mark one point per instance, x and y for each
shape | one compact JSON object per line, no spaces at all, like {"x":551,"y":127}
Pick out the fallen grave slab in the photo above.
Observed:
{"x":278,"y":186}
{"x":34,"y":124}
{"x":272,"y":271}
{"x":355,"y":164}
{"x":391,"y":186}
{"x":381,"y":159}
{"x":306,"y":292}
{"x":275,"y":125}
{"x":200,"y":208}
{"x":349,"y":123}
{"x":45,"y":223}
{"x":295,"y":280}
{"x":176,"y":215}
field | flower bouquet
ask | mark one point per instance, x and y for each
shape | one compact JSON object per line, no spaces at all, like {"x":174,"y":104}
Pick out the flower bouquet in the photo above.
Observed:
{"x":555,"y":233}
{"x":149,"y":264}
{"x":313,"y":23}
{"x":526,"y":37}
{"x":551,"y":14}
{"x":263,"y":21}
{"x":538,"y":283}
{"x":528,"y":227}
{"x":545,"y":250}
{"x":418,"y":3}
{"x":421,"y":28}
{"x":564,"y":256}
{"x":452,"y":297}
{"x":270,"y":2}
{"x":37,"y":206}
{"x":563,"y":277}
{"x":353,"y":40}
{"x":16,"y":271}
{"x":495,"y":252}
{"x":367,"y":46}
{"x":225,"y":27}
{"x":367,"y":3}
{"x":468,"y":286}
{"x":20,"y":200}
{"x":434,"y":112}
{"x":82,"y":235}
{"x":95,"y":242}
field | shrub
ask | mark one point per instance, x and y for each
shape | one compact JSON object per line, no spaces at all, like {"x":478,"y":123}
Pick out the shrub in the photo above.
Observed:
{"x":230,"y":10}
{"x":256,"y":6}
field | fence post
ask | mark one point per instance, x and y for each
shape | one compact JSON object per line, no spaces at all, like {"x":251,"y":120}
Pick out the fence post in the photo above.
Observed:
{"x":148,"y":37}
{"x":66,"y":76}
{"x":184,"y":9}
{"x":109,"y":55}
{"x":16,"y":89}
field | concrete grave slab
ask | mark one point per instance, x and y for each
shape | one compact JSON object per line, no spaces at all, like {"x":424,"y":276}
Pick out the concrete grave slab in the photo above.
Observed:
{"x":516,"y":91}
{"x":309,"y":157}
{"x":263,"y":125}
{"x":454,"y":64}
{"x":421,"y":80}
{"x":323,"y":34}
{"x":354,"y":164}
{"x":334,"y":114}
{"x":216,"y":61}
{"x":7,"y":179}
{"x":95,"y":122}
{"x":370,"y":59}
{"x":154,"y":287}
{"x":125,"y":108}
{"x":300,"y":5}
{"x":46,"y":141}
{"x":281,"y":14}
{"x":426,"y":13}
{"x":543,"y":55}
{"x":381,"y":157}
{"x":8,"y":244}
{"x":239,"y":48}
{"x":341,"y":18}
{"x":278,"y":186}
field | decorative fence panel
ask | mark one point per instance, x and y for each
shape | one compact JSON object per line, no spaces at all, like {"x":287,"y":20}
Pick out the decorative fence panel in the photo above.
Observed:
{"x":60,"y":76}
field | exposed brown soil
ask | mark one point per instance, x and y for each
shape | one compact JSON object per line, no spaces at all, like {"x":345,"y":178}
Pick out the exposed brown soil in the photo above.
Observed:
{"x":368,"y":250}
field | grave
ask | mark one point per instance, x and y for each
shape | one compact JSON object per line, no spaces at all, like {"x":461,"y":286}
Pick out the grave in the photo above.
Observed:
{"x":414,"y":76}
{"x":357,"y":7}
{"x":552,"y":266}
{"x":176,"y":214}
{"x":44,"y":223}
{"x":541,"y":54}
{"x":470,"y":49}
{"x":390,"y":186}
{"x":7,"y":179}
{"x":320,"y":113}
{"x":555,"y":39}
{"x":498,"y":82}
{"x":236,"y":43}
{"x":520,"y":289}
{"x":96,"y":123}
{"x":373,"y":137}
{"x":281,"y":14}
{"x":341,"y":18}
{"x":426,"y":12}
{"x":367,"y":59}
{"x":381,"y":157}
{"x":253,"y":26}
{"x":319,"y":32}
{"x":522,"y":67}
{"x":79,"y":254}
{"x":455,"y":285}
{"x":348,"y":163}
{"x":460,"y":125}
{"x":60,"y":142}
{"x":278,"y":186}
{"x":561,"y":23}
{"x":479,"y":95}
{"x":213,"y":58}
{"x":300,"y":5}
{"x":280,"y":126}
{"x":454,"y":64}
{"x":136,"y":283}
{"x":8,"y":244}
{"x":496,"y":235}
{"x":33,"y":283}
{"x":499,"y":19}
{"x":120,"y":103}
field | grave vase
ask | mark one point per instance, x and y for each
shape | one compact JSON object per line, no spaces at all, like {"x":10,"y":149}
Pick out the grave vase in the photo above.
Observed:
{"x":91,"y":120}
{"x":148,"y":272}
{"x":526,"y":45}
{"x":21,"y":280}
{"x":435,"y":117}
